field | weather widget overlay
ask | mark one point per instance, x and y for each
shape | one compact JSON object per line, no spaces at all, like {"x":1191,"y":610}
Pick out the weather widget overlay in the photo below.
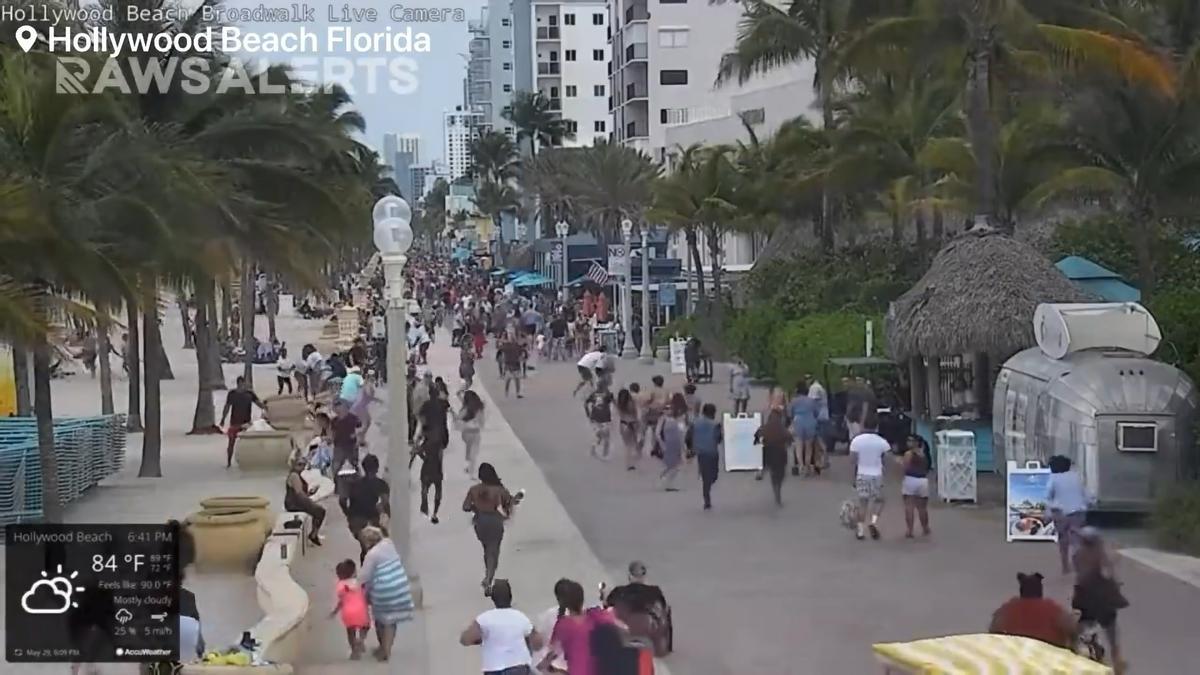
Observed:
{"x":92,"y":593}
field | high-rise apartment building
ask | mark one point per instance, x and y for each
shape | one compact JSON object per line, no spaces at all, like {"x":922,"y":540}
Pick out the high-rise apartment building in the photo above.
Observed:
{"x":556,"y":47}
{"x":459,"y":128}
{"x":666,"y":58}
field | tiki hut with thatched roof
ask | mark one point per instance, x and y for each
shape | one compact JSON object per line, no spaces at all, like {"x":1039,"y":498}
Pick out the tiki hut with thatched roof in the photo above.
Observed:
{"x":976,"y":303}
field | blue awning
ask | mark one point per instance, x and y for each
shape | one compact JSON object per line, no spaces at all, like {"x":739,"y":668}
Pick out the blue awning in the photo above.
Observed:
{"x":498,"y":271}
{"x":460,"y":255}
{"x":531,"y":279}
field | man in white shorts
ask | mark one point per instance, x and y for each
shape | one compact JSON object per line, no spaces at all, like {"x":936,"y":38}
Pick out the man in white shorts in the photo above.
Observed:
{"x":867,"y":451}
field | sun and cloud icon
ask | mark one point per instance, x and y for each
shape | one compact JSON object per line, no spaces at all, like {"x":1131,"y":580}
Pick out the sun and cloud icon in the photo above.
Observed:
{"x":51,"y":595}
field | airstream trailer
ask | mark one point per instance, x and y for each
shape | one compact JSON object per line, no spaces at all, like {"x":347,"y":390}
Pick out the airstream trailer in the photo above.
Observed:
{"x":1090,"y":391}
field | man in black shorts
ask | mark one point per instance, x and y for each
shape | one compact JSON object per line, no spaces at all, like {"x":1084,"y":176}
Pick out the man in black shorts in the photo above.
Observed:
{"x":587,"y":367}
{"x":512,"y":359}
{"x":435,"y":436}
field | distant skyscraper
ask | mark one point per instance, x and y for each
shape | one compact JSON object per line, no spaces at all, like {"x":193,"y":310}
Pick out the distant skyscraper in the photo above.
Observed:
{"x":410,"y":143}
{"x":458,"y":130}
{"x":416,"y":180}
{"x":402,"y":171}
{"x":391,"y":143}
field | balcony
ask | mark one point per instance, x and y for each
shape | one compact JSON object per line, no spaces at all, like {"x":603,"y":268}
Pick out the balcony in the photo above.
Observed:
{"x":633,"y":92}
{"x":556,"y":104}
{"x":548,"y":33}
{"x":636,"y":13}
{"x":634,"y":130}
{"x":637,"y":52}
{"x":549,"y":68}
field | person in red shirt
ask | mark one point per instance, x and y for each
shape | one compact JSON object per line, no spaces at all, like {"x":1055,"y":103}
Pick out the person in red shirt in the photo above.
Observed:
{"x":1033,"y":616}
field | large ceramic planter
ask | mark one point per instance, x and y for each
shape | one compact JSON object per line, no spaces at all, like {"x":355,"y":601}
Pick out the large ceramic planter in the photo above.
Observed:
{"x":263,"y":450}
{"x":226,"y":540}
{"x":286,"y":412}
{"x":259,"y":506}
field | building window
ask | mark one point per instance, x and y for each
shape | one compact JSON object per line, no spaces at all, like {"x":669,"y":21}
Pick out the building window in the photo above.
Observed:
{"x":598,"y":90}
{"x":753,"y":116}
{"x":509,"y":131}
{"x":507,"y":88}
{"x":597,"y":19}
{"x":662,"y":115}
{"x":672,"y":2}
{"x":553,"y":19}
{"x":568,"y":19}
{"x":506,"y":44}
{"x":672,"y":37}
{"x":508,"y":66}
{"x":572,"y":126}
{"x":598,"y":126}
{"x":571,"y":91}
{"x":597,"y":54}
{"x":673,"y":77}
{"x":505,"y":22}
{"x":507,"y":110}
{"x":570,"y":55}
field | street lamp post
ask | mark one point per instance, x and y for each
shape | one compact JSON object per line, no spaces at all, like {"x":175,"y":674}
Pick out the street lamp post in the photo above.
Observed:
{"x":647,"y":355}
{"x":562,"y":229}
{"x":629,"y":351}
{"x":393,"y":237}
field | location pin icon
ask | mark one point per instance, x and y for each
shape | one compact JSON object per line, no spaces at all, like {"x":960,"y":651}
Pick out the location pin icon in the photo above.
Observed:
{"x":26,"y":36}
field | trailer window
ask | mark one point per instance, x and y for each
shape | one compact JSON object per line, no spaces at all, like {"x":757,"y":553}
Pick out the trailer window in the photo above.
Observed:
{"x":1137,"y":437}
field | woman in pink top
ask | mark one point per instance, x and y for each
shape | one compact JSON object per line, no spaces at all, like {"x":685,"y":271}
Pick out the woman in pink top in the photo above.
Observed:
{"x":572,"y":632}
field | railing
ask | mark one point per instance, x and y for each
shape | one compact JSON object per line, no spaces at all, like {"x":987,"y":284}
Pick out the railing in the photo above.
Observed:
{"x":690,"y":115}
{"x":636,"y":13}
{"x":549,"y":67}
{"x":548,"y":33}
{"x":636,"y":52}
{"x":633,"y":91}
{"x":87,"y":450}
{"x":556,"y":104}
{"x":633,"y":130}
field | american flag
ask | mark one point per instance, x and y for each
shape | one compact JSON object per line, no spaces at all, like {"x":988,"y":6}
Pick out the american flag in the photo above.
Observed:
{"x":598,"y":274}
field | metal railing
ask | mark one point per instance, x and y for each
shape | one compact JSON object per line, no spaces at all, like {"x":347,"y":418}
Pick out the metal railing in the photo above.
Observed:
{"x":633,"y":91}
{"x":548,"y":33}
{"x":637,"y":51}
{"x":549,"y":67}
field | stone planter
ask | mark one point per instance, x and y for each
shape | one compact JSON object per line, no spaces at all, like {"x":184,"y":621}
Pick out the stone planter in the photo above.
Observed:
{"x":286,"y":412}
{"x":226,"y":540}
{"x":263,"y":450}
{"x":259,"y":506}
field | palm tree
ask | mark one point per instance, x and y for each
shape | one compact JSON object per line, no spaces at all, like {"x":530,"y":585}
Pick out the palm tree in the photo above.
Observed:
{"x":494,"y":199}
{"x":531,"y":115}
{"x":493,"y":157}
{"x":611,"y":183}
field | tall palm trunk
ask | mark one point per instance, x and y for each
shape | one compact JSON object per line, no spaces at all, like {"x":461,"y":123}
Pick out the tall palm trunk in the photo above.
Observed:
{"x":271,"y":302}
{"x":103,"y":347}
{"x":693,"y":244}
{"x":1144,"y":234}
{"x":189,"y":336}
{"x":247,"y":309}
{"x":215,"y":371}
{"x":152,"y":440}
{"x":133,"y":363}
{"x":20,"y":357}
{"x":981,"y":123}
{"x":712,"y":236}
{"x":204,"y":420}
{"x":52,"y":510}
{"x":919,"y":225}
{"x":226,"y":310}
{"x":939,"y":227}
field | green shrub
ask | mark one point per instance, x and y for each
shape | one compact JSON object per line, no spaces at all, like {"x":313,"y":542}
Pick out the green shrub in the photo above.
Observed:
{"x":681,"y":326}
{"x":749,"y":335}
{"x":1176,"y":519}
{"x":1177,"y":311}
{"x":803,"y":345}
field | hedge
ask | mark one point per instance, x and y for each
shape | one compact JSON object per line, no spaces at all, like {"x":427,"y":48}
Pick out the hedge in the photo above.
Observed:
{"x":802,"y":346}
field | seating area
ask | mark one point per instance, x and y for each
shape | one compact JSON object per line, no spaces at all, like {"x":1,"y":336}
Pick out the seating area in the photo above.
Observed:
{"x":88,"y":450}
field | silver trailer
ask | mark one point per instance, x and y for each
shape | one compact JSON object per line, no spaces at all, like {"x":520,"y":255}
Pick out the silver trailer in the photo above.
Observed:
{"x":1124,"y":419}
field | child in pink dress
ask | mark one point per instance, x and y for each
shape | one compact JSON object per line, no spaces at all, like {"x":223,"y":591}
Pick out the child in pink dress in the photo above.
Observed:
{"x":352,"y":605}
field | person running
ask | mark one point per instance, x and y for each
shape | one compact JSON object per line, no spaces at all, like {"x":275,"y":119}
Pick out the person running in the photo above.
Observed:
{"x":1068,"y":500}
{"x":239,"y":413}
{"x":352,"y":385}
{"x":704,"y":442}
{"x":739,"y":385}
{"x":598,"y":407}
{"x":466,"y":367}
{"x":693,"y":402}
{"x":915,"y":488}
{"x":491,"y":504}
{"x":573,"y":631}
{"x":558,"y":338}
{"x":654,"y":403}
{"x":803,"y":413}
{"x":366,"y":501}
{"x":775,"y":439}
{"x":470,"y":421}
{"x":867,"y":451}
{"x":512,"y":357}
{"x":671,"y":433}
{"x":347,"y":439}
{"x":1097,"y":595}
{"x":587,"y":368}
{"x":352,"y":608}
{"x":506,"y":636}
{"x":629,"y":419}
{"x":420,"y":392}
{"x":285,"y":368}
{"x":431,"y":447}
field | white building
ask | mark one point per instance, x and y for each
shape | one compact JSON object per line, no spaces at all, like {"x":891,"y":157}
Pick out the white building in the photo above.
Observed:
{"x":459,"y":128}
{"x":571,"y":65}
{"x":666,"y":58}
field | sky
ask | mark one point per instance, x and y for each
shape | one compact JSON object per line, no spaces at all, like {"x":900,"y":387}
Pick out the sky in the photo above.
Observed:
{"x":389,"y":103}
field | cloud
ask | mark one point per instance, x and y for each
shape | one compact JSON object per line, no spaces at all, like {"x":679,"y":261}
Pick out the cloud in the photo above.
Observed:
{"x":50,"y":601}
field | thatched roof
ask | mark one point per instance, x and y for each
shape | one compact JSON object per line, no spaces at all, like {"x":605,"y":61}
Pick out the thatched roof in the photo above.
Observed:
{"x":979,"y":295}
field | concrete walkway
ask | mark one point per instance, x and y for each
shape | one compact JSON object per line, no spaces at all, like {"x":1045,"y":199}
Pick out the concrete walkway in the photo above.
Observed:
{"x":541,"y":544}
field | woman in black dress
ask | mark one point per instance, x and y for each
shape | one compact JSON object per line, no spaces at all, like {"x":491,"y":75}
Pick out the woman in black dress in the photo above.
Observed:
{"x":775,"y":439}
